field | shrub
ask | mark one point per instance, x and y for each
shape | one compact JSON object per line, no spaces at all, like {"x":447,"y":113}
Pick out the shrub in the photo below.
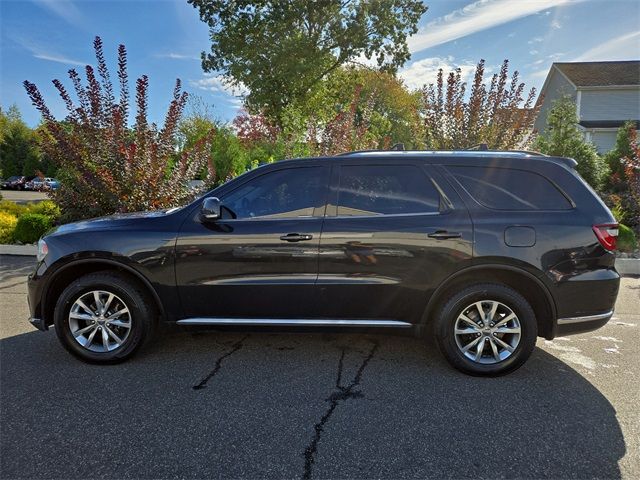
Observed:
{"x":31,"y":226}
{"x":626,"y":239}
{"x":46,"y":207}
{"x":12,"y":208}
{"x":7,"y":227}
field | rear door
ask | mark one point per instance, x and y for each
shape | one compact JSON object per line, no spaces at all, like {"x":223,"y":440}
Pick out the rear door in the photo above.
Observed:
{"x":393,"y":231}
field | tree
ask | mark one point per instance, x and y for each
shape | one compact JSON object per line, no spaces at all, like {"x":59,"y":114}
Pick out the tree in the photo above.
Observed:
{"x":563,"y":138}
{"x":499,"y":115}
{"x":615,"y":157}
{"x":107,"y":166}
{"x":280,"y":50}
{"x":19,"y":151}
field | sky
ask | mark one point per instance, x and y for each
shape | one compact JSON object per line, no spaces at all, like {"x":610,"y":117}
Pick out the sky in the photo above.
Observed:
{"x":42,"y":39}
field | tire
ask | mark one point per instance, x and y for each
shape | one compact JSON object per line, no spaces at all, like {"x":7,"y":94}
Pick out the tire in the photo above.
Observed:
{"x":513,"y":336}
{"x":70,"y":317}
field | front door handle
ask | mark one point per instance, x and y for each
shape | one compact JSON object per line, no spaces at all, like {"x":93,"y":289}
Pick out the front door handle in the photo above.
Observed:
{"x":444,"y":235}
{"x":296,"y":237}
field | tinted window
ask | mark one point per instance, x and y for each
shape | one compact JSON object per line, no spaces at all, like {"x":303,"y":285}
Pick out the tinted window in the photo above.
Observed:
{"x":290,"y":193}
{"x":510,"y":189}
{"x":385,"y":190}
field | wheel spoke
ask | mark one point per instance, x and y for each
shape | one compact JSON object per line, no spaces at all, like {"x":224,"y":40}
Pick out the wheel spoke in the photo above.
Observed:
{"x":480,"y":349}
{"x":508,"y":330}
{"x":96,"y":298}
{"x":492,"y":313}
{"x":470,"y":345}
{"x":511,"y":316}
{"x":480,"y":311}
{"x":503,"y":344}
{"x":105,"y":339}
{"x":81,"y":304}
{"x":466,"y":331}
{"x":90,"y":339}
{"x":118,"y":313}
{"x":107,"y":303}
{"x":117,"y":339}
{"x":84,"y":330}
{"x":81,"y":316}
{"x":464,"y":318}
{"x":494,"y":349}
{"x":120,"y":323}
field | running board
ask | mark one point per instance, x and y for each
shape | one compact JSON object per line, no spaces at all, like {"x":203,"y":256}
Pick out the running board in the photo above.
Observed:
{"x":293,"y":322}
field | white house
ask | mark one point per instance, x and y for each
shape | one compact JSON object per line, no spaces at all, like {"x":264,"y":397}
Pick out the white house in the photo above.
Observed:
{"x":606,"y":95}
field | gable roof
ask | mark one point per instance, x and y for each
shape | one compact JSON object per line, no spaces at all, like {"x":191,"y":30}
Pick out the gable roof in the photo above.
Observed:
{"x":601,"y":74}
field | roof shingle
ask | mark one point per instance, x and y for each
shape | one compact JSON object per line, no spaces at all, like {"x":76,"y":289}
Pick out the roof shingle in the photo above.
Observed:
{"x":601,"y":74}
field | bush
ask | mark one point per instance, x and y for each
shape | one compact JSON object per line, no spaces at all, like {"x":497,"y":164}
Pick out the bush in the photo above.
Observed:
{"x":31,"y":226}
{"x":626,"y":239}
{"x":7,"y":227}
{"x":12,"y":208}
{"x":46,"y":207}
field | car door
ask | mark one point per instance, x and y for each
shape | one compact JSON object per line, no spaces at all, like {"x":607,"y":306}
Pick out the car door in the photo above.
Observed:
{"x":393,"y":231}
{"x":260,"y":259}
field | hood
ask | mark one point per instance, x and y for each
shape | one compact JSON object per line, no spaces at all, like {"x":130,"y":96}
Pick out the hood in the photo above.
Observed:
{"x":118,"y":220}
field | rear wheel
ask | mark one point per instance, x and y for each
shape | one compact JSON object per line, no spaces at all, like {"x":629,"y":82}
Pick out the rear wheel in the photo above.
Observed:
{"x":103,"y":317}
{"x":486,"y":329}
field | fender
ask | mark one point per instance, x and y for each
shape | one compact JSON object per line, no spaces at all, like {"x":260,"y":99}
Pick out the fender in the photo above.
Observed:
{"x":495,"y":266}
{"x":110,"y":262}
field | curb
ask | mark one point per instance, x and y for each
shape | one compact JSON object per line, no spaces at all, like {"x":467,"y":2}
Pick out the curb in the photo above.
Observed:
{"x":624,"y":266}
{"x":30,"y":250}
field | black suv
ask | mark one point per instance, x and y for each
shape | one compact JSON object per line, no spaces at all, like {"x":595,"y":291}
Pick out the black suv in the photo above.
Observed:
{"x":485,"y":250}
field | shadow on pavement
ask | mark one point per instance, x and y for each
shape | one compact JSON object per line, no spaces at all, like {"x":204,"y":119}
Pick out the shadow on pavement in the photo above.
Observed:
{"x":289,"y":405}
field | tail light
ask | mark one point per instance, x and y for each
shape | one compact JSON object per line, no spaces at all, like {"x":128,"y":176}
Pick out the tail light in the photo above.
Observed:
{"x":607,"y":234}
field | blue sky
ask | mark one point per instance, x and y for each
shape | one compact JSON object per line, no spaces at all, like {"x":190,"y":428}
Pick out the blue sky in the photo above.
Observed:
{"x":42,"y":39}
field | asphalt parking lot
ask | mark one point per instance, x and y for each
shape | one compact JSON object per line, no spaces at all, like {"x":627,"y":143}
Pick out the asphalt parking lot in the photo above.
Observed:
{"x":205,"y":404}
{"x":23,"y":196}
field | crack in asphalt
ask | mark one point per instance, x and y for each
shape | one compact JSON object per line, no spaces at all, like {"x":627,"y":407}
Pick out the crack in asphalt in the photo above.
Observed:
{"x":234,"y":348}
{"x":340,"y":394}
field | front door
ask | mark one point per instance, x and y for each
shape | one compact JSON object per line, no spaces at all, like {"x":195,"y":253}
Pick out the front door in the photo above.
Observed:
{"x":260,"y":259}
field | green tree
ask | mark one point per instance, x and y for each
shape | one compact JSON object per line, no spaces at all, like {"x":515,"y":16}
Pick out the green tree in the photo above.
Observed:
{"x":563,"y":138}
{"x":622,"y":149}
{"x":280,"y":50}
{"x":19,"y":150}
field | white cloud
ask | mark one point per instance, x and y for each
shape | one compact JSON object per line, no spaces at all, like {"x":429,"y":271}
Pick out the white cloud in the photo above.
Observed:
{"x":217,"y":83}
{"x":475,"y":17}
{"x":535,"y":40}
{"x":65,"y":9}
{"x":425,"y":71}
{"x":177,"y":56}
{"x":555,"y":24}
{"x":44,"y":54}
{"x":533,"y":52}
{"x":624,"y":47}
{"x":58,"y":58}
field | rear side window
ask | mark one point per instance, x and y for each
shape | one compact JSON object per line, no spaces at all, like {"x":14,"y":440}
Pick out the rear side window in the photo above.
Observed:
{"x":510,"y":189}
{"x":385,"y":190}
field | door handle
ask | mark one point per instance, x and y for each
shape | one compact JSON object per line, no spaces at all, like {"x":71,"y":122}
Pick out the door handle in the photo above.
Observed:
{"x":444,"y":235}
{"x":296,"y":237}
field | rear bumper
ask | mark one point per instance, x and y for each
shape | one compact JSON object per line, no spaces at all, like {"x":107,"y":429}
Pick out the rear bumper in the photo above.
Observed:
{"x":587,"y":323}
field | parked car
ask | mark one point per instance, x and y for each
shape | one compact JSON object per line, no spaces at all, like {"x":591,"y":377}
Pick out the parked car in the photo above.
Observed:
{"x":51,"y":183}
{"x":36,"y":184}
{"x":15,"y":182}
{"x":484,"y":250}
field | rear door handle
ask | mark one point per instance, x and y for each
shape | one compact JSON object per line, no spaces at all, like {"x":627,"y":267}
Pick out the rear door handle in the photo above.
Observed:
{"x":296,"y":237}
{"x":444,"y":235}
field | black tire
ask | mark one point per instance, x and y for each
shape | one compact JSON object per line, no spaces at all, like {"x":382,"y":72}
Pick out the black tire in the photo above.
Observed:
{"x":142,"y":315}
{"x":456,"y":305}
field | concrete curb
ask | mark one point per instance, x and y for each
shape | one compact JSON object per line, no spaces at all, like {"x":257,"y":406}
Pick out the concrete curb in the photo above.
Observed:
{"x":18,"y":250}
{"x":625,"y":266}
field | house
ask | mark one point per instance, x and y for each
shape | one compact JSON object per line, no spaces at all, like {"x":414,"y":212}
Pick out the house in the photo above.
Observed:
{"x":606,"y":95}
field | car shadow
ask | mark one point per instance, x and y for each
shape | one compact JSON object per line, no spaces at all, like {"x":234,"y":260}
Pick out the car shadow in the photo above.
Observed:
{"x":310,"y":405}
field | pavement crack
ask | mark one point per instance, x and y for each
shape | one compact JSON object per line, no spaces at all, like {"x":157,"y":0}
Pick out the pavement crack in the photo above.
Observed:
{"x":234,"y":348}
{"x":340,"y":394}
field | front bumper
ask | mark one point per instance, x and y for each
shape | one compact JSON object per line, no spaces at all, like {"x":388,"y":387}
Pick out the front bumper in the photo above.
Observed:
{"x":587,"y":323}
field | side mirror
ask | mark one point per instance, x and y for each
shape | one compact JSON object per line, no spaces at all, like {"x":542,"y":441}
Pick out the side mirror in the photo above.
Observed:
{"x":210,"y":209}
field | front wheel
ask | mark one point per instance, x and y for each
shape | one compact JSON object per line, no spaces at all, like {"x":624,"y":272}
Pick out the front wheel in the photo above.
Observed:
{"x":103,"y":317}
{"x":486,"y":330}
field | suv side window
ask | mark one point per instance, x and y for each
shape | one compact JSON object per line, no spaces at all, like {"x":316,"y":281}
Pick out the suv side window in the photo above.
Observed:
{"x":385,"y":190}
{"x":510,"y":189}
{"x":288,"y":193}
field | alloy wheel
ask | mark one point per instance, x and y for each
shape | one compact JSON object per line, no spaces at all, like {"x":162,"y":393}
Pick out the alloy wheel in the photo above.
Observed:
{"x":487,"y":332}
{"x":100,"y":321}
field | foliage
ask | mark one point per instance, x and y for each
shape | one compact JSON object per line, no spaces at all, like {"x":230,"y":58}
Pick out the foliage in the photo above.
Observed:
{"x":46,"y":207}
{"x":615,"y":157}
{"x":106,"y":166}
{"x":627,"y":241}
{"x":19,"y":146}
{"x":13,"y":208}
{"x":499,"y":115}
{"x":280,"y":51}
{"x":563,"y":138}
{"x":632,"y":173}
{"x":31,"y":226}
{"x":8,"y":223}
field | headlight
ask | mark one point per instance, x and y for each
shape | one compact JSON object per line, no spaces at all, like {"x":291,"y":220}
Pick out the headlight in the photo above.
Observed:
{"x":43,"y":249}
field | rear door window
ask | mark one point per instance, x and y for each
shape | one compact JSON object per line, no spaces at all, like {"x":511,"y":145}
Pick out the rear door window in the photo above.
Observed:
{"x":510,"y":189}
{"x":385,"y":190}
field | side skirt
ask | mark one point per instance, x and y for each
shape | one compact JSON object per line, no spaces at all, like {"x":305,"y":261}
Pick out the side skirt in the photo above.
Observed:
{"x":294,"y":322}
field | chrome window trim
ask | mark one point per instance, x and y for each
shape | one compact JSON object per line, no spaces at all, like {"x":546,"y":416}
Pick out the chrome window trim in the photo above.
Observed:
{"x":307,"y":322}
